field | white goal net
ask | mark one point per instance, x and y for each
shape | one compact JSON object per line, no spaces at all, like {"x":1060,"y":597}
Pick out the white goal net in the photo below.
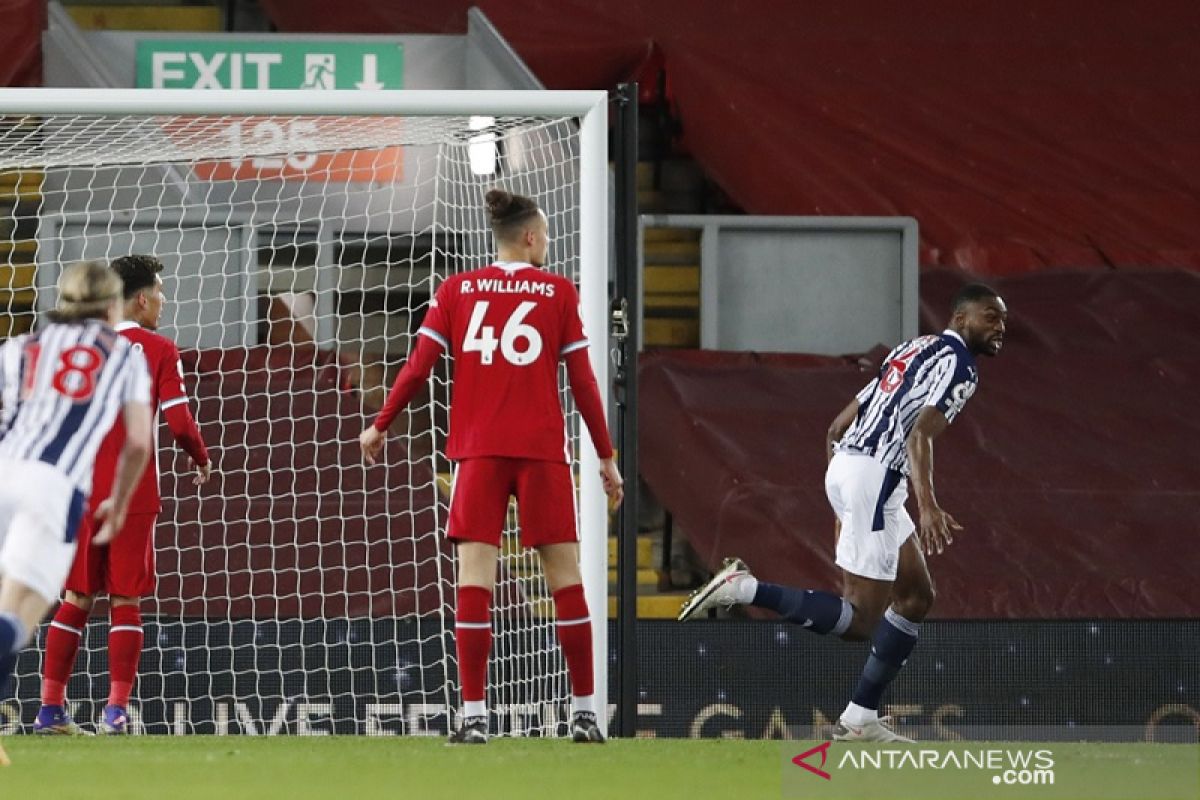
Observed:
{"x":301,"y":591}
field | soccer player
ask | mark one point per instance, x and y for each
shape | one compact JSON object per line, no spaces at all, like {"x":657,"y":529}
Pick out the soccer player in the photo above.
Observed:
{"x":61,"y":388}
{"x":884,"y":435}
{"x":124,"y":569}
{"x":508,"y":325}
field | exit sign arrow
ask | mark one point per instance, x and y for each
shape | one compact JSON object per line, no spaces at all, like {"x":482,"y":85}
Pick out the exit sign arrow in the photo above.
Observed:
{"x":370,"y":80}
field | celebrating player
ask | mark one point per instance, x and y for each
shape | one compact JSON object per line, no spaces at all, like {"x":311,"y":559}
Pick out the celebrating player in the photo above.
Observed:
{"x":508,"y":325}
{"x":885,"y":434}
{"x":61,"y":389}
{"x":124,"y":569}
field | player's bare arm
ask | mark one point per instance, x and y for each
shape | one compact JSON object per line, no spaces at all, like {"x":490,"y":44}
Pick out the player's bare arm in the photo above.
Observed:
{"x":934,"y":527}
{"x":610,"y":478}
{"x":412,"y":376}
{"x":371,"y":443}
{"x":839,"y":426}
{"x":203,"y":471}
{"x":134,"y":455}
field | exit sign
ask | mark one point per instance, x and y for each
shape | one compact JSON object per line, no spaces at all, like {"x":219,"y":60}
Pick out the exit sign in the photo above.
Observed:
{"x":215,"y":64}
{"x":273,"y":64}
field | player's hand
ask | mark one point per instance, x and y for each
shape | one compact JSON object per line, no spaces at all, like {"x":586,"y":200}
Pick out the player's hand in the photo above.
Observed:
{"x":936,"y":530}
{"x":610,"y":479}
{"x":112,"y":520}
{"x":371,"y":442}
{"x":203,"y":472}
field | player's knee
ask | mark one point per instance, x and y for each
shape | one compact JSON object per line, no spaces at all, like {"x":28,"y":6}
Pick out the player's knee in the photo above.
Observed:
{"x":863,"y":623}
{"x":916,"y":605}
{"x":81,"y":601}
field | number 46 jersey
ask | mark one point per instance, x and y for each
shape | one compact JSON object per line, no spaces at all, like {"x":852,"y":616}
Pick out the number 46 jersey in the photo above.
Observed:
{"x":507,"y":326}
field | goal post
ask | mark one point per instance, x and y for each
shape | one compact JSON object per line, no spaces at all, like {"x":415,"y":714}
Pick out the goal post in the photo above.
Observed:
{"x":303,"y":234}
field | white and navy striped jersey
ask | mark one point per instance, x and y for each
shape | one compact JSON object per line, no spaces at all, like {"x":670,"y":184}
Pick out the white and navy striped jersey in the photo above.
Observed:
{"x":937,"y":371}
{"x":61,"y":389}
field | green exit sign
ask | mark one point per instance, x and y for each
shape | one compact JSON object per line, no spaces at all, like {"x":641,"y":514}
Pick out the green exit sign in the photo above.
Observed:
{"x":269,"y":64}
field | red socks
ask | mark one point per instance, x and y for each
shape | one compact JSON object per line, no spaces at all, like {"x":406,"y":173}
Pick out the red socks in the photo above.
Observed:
{"x":124,"y":652}
{"x":575,"y":635}
{"x":473,"y":642}
{"x":62,"y":645}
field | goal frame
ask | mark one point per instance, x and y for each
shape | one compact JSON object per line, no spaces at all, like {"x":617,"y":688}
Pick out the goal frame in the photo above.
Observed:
{"x":589,"y":107}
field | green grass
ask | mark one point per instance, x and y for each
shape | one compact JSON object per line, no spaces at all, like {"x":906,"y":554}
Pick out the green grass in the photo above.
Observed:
{"x":349,"y":768}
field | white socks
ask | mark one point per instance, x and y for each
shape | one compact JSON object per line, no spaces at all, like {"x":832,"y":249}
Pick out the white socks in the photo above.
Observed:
{"x":857,"y":715}
{"x":744,"y":589}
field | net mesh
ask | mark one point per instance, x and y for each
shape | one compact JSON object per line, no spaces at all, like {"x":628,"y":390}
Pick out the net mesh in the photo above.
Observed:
{"x":299,"y":591}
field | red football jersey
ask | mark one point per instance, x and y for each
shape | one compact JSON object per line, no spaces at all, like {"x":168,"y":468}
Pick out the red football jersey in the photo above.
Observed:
{"x":166,"y":390}
{"x":507,"y":326}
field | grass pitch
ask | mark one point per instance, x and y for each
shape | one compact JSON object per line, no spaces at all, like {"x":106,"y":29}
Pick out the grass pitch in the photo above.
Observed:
{"x":343,"y":768}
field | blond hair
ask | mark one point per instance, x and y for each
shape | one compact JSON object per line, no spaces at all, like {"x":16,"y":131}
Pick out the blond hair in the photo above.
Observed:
{"x":86,"y":289}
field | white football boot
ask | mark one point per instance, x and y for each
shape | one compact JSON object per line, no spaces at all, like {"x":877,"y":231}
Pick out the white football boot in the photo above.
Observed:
{"x":720,"y":592}
{"x":877,"y":730}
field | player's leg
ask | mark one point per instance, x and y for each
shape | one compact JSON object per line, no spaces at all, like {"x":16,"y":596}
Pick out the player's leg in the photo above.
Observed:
{"x":851,"y":615}
{"x":478,"y":505}
{"x":66,"y":632}
{"x":893,"y":636}
{"x":546,"y":501}
{"x":34,"y":560}
{"x":130,"y":577}
{"x":573,"y":622}
{"x":63,"y":638}
{"x":125,"y":640}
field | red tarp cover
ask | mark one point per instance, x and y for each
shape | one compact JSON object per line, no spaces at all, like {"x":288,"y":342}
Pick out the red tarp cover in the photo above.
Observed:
{"x":1018,"y":135}
{"x":1073,"y":469}
{"x":21,"y":42}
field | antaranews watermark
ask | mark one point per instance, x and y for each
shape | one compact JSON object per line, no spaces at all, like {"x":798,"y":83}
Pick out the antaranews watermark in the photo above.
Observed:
{"x":1109,"y":767}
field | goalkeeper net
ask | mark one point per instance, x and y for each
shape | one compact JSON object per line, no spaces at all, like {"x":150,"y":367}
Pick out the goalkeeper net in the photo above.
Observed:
{"x":301,"y":591}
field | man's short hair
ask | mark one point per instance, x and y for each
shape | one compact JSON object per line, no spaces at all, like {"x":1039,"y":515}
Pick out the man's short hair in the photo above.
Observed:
{"x":971,"y":293}
{"x":137,"y":272}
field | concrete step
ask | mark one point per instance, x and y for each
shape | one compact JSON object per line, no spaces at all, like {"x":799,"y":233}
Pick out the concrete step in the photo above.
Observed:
{"x":16,"y":324}
{"x":671,"y":253}
{"x":17,"y":276}
{"x":667,"y":234}
{"x":645,"y":578}
{"x":653,"y":606}
{"x":672,"y":304}
{"x":667,"y":332}
{"x":21,"y":185}
{"x":651,"y":202}
{"x":159,"y":17}
{"x":17,"y":299}
{"x":685,"y":278}
{"x":645,"y":551}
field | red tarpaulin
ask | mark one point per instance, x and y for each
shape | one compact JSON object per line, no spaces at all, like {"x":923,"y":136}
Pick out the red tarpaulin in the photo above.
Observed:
{"x":21,"y":42}
{"x":1073,"y":469}
{"x":1020,"y":136}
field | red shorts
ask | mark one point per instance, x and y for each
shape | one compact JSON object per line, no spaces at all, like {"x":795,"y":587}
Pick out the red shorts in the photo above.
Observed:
{"x":124,"y":568}
{"x":545,"y":495}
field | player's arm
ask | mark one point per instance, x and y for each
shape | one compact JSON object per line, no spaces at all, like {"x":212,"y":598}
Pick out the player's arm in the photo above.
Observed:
{"x":411,"y":378}
{"x":135,"y":452}
{"x":584,"y":389}
{"x":935,"y":527}
{"x":837,"y":429}
{"x":183,"y":427}
{"x":177,"y":411}
{"x":587,"y":399}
